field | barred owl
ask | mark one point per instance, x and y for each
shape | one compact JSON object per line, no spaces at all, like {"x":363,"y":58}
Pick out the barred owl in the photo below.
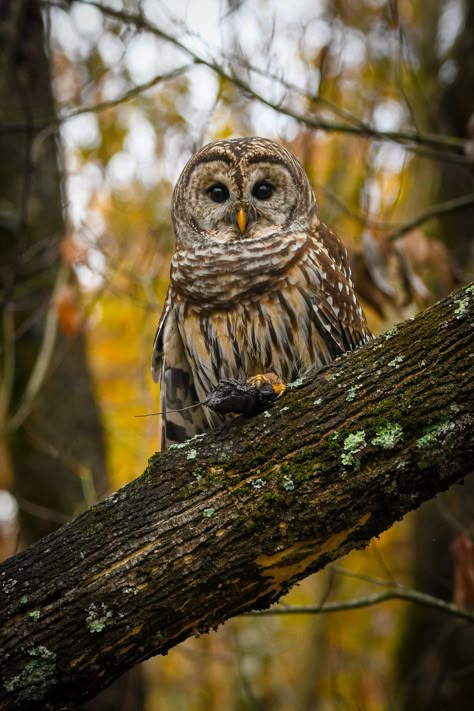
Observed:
{"x":258,"y":284}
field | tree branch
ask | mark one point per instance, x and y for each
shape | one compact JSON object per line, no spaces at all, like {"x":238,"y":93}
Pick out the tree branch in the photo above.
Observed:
{"x":432,"y":145}
{"x":229,"y":521}
{"x":444,"y":208}
{"x":398,"y":593}
{"x":127,"y":95}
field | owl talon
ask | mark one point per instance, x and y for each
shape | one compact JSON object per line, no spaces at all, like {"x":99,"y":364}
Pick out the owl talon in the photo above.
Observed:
{"x":270,"y":379}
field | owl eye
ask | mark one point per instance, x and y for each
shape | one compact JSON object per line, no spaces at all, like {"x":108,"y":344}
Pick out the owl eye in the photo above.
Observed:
{"x":263,"y":190}
{"x":218,"y":192}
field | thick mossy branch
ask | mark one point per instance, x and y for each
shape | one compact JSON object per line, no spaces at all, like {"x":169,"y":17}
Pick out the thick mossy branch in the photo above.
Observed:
{"x":229,"y":521}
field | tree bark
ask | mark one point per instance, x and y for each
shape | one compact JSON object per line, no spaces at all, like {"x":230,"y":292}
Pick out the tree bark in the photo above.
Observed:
{"x":61,"y":437}
{"x":435,"y":650}
{"x":56,"y":453}
{"x":229,"y":521}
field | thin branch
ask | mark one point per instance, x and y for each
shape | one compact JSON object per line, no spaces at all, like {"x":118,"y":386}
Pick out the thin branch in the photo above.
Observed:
{"x":398,"y":230}
{"x":8,"y":365}
{"x":392,"y":594}
{"x":45,"y":124}
{"x":450,"y":145}
{"x":128,"y":95}
{"x":43,"y":358}
{"x":41,"y":512}
{"x":265,"y":73}
{"x":374,"y":580}
{"x":443,"y":208}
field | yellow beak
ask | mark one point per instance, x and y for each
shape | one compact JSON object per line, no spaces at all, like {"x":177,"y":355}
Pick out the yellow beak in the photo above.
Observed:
{"x":241,"y":219}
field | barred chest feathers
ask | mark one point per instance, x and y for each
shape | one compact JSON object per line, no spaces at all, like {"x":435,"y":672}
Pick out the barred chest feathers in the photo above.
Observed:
{"x":213,"y":276}
{"x":257,"y":319}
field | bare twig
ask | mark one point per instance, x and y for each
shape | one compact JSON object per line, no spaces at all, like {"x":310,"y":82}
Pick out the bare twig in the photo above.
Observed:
{"x":8,"y":363}
{"x":42,"y":512}
{"x":128,"y":95}
{"x":450,"y":146}
{"x":47,"y":124}
{"x":392,"y":594}
{"x":43,"y":358}
{"x":266,"y":73}
{"x":443,"y":208}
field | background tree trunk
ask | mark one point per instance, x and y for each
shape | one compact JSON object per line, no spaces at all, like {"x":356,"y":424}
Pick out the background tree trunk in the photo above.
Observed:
{"x":54,"y":458}
{"x":59,"y":445}
{"x":436,"y":653}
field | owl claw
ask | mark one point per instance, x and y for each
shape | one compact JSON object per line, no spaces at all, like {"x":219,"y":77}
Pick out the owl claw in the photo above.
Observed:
{"x":271,"y":379}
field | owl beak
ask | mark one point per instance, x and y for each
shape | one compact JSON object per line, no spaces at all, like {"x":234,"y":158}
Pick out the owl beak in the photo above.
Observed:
{"x":241,"y":218}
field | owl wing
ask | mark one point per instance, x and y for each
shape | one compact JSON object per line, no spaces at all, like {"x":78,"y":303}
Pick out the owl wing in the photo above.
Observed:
{"x":171,"y":369}
{"x":336,"y":313}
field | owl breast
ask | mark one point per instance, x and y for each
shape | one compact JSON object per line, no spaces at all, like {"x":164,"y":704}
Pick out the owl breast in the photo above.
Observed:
{"x":214,"y":276}
{"x":256,"y":323}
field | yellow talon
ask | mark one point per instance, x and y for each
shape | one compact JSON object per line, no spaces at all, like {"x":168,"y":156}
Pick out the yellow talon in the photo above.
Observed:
{"x":272,"y":379}
{"x":279,"y":388}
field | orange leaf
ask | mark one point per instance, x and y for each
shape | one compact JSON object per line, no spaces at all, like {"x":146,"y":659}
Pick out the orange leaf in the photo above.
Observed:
{"x":69,"y":316}
{"x":72,"y":251}
{"x":461,"y":551}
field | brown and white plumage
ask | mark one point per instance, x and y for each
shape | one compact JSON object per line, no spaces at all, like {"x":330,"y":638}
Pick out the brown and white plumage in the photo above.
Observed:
{"x":258,"y":284}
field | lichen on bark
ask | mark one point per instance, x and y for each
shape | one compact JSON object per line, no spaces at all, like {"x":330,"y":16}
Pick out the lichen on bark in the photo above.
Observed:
{"x":259,"y":505}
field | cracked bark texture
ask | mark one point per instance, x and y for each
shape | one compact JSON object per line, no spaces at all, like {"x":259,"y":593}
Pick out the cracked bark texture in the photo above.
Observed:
{"x":434,"y":648}
{"x":57,"y":451}
{"x":229,"y":521}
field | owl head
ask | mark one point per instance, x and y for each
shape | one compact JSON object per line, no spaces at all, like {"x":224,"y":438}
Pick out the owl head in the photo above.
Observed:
{"x":240,"y":189}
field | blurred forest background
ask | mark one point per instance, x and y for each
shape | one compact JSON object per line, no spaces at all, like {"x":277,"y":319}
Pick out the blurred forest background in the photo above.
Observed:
{"x":101,"y":104}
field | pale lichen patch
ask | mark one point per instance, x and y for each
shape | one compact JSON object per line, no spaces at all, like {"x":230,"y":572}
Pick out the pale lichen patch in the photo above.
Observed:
{"x":9,"y":585}
{"x":353,"y":444}
{"x":433,"y":433}
{"x":432,"y":442}
{"x":462,"y":306}
{"x":98,"y":617}
{"x":396,"y":362}
{"x":183,"y":445}
{"x":390,"y":333}
{"x":352,"y":392}
{"x":177,"y":445}
{"x":36,"y":677}
{"x":296,"y":383}
{"x":387,"y":436}
{"x":131,"y":590}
